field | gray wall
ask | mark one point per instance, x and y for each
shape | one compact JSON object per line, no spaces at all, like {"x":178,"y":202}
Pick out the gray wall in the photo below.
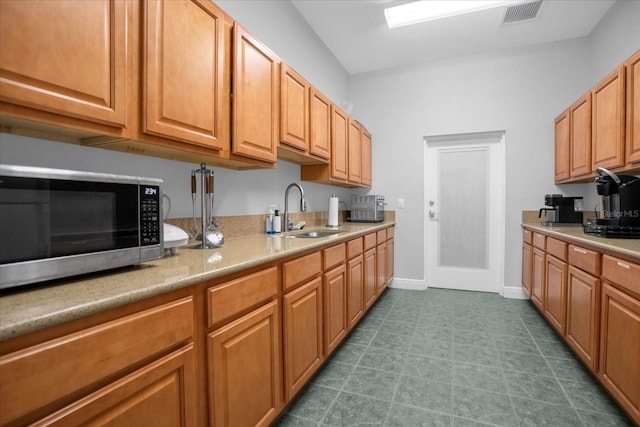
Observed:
{"x":519,"y":91}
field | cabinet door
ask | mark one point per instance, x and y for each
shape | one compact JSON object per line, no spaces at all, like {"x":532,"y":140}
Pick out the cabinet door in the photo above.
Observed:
{"x":607,"y":121}
{"x":633,"y":108}
{"x":619,"y":367}
{"x":319,"y":124}
{"x":255,"y":98}
{"x":245,"y":380}
{"x":302,"y":335}
{"x":366,"y":159}
{"x":339,"y":147}
{"x":562,"y":147}
{"x":355,"y":153}
{"x":583,"y":308}
{"x":355,"y":290}
{"x":381,"y":268}
{"x":555,"y":292}
{"x":537,"y":284}
{"x":184,"y":71}
{"x":580,"y":121}
{"x":294,"y":109}
{"x":335,"y":308}
{"x":66,"y":57}
{"x":162,"y":393}
{"x":390,"y":263}
{"x":527,"y":268}
{"x":370,"y":277}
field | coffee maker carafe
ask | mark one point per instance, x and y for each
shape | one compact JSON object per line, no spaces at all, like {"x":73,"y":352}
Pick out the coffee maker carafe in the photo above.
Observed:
{"x":620,"y":198}
{"x":562,"y":211}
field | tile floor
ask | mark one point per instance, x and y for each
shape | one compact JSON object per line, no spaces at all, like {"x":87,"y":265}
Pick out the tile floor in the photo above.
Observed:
{"x":452,"y":358}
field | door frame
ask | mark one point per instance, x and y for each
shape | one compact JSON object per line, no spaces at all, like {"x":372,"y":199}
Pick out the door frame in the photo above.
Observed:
{"x":500,"y":209}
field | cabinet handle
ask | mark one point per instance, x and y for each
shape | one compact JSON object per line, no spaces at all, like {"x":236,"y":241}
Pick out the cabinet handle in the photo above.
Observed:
{"x":623,"y":265}
{"x":581,"y":251}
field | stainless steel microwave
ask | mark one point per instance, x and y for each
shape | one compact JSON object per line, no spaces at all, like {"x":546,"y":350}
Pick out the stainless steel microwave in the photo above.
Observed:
{"x":57,"y":223}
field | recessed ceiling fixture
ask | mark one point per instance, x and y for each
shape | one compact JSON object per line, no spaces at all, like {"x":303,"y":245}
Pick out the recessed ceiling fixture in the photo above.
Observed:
{"x":429,"y":10}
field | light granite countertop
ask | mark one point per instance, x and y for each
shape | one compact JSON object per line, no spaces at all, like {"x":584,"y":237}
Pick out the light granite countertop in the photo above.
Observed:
{"x":629,"y":248}
{"x":31,"y":308}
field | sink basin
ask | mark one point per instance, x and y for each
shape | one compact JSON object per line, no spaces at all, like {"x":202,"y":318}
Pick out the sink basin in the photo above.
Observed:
{"x":313,"y":234}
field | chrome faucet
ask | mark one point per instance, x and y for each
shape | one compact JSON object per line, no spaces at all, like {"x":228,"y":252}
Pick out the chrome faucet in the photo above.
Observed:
{"x":288,"y":225}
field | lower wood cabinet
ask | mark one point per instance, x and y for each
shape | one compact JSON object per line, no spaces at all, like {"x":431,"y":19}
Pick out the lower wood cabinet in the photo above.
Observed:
{"x":593,"y":300}
{"x":302,"y":311}
{"x":245,"y":377}
{"x":527,"y":268}
{"x":537,"y":278}
{"x":124,"y":367}
{"x":335,"y":302}
{"x":555,"y":292}
{"x":620,"y":347}
{"x":381,"y":268}
{"x":583,"y":308}
{"x":355,"y":290}
{"x":159,"y":394}
{"x":370,"y":277}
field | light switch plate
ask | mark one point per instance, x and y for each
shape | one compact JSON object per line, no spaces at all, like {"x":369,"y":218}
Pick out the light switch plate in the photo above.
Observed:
{"x":400,"y":203}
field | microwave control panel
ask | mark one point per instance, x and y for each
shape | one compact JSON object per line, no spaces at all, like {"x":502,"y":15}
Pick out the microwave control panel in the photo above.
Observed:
{"x":150,"y":221}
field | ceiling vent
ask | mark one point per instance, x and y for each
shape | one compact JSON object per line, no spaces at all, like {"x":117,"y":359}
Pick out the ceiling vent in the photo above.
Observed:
{"x":521,"y":12}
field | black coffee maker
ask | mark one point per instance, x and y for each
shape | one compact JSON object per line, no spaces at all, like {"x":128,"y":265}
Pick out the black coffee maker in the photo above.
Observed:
{"x":562,"y":211}
{"x":619,"y":206}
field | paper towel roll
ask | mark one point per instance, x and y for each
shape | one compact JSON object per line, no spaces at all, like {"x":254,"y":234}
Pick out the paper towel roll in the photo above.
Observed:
{"x":333,"y":211}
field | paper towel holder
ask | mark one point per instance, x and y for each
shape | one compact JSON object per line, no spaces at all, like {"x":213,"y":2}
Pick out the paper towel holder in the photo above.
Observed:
{"x":332,"y":214}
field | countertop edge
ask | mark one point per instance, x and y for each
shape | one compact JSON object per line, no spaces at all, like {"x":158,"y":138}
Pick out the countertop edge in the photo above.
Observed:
{"x":608,"y":245}
{"x":14,"y":322}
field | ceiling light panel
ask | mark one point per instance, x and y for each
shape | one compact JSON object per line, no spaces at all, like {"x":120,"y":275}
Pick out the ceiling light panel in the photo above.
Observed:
{"x":429,"y":10}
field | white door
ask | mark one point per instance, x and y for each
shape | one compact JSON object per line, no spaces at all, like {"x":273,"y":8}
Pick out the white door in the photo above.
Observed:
{"x":464,"y":212}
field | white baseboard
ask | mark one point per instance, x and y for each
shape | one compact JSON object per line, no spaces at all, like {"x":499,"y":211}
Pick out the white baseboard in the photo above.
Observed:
{"x":514,"y":292}
{"x":411,"y":284}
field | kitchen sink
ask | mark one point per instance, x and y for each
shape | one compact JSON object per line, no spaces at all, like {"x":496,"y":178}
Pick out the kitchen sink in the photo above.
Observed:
{"x":313,"y":234}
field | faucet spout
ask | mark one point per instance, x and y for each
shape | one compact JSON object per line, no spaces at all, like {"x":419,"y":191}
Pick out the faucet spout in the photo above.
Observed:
{"x":303,"y":205}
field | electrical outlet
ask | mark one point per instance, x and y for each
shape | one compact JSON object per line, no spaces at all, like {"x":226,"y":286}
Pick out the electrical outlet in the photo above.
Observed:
{"x":400,"y":203}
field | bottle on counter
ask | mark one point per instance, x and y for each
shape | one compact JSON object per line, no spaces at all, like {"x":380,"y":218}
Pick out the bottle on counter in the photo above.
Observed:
{"x":277,"y":225}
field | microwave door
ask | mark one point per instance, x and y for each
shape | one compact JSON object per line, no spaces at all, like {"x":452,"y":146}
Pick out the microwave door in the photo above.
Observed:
{"x":25,"y":224}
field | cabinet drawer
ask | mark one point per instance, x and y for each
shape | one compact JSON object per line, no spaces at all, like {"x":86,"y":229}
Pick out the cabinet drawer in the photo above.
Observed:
{"x":557,"y":248}
{"x":527,"y":236}
{"x":300,"y":270}
{"x":382,"y":236}
{"x":390,"y":232}
{"x":539,"y":241}
{"x":334,"y":255}
{"x":41,"y":374}
{"x":585,"y":259}
{"x":623,"y":273}
{"x":369,"y":241}
{"x":354,"y":247}
{"x":236,"y":296}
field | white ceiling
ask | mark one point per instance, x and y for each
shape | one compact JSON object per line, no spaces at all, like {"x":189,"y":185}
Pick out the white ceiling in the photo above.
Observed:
{"x":357,"y":34}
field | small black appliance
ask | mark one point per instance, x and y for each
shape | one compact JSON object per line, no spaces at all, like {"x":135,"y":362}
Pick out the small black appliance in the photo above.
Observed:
{"x":561,"y":210}
{"x":619,"y":206}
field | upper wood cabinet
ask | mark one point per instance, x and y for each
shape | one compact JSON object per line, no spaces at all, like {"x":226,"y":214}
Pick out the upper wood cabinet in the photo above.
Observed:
{"x":608,"y":120}
{"x":184,"y":72}
{"x":367,"y":174}
{"x":319,"y":124}
{"x":66,"y":57}
{"x":355,"y":153}
{"x":294,"y":110}
{"x":602,"y":128}
{"x":580,"y":131}
{"x":632,"y":68}
{"x":305,"y":120}
{"x":350,"y":163}
{"x":256,"y":95}
{"x":562,"y":147}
